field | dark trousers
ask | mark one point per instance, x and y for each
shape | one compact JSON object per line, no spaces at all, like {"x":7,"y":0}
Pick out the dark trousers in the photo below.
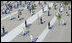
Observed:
{"x":3,"y":30}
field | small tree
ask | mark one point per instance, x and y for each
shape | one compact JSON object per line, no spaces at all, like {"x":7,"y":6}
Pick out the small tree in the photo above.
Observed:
{"x":59,"y":16}
{"x":65,"y":3}
{"x":28,"y":3}
{"x":32,"y":8}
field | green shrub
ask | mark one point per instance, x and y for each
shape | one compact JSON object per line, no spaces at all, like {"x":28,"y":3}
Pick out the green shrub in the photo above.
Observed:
{"x":32,"y":7}
{"x":58,"y":16}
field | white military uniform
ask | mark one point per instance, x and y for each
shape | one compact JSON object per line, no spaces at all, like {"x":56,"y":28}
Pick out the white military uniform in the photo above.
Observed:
{"x":62,"y":22}
{"x":31,"y":37}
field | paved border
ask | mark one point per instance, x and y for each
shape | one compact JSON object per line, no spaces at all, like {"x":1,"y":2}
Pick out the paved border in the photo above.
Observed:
{"x":43,"y":35}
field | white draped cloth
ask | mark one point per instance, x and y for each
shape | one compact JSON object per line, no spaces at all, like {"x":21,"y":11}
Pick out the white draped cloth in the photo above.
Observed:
{"x":50,"y":4}
{"x":31,"y":37}
{"x":61,"y":9}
